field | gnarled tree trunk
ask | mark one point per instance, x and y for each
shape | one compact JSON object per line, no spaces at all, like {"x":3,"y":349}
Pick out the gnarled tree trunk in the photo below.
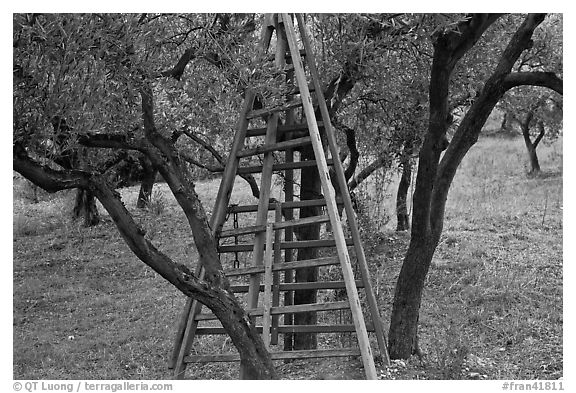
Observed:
{"x":531,"y":146}
{"x":434,"y":177}
{"x":212,"y":291}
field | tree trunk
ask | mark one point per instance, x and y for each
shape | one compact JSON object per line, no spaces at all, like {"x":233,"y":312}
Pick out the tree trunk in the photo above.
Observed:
{"x":403,"y":187}
{"x":534,"y":164}
{"x":255,"y":359}
{"x":531,"y":146}
{"x":85,"y":208}
{"x":506,"y":125}
{"x":148,"y":179}
{"x":448,"y":48}
{"x":310,"y":188}
{"x":402,"y":341}
{"x":434,"y":176}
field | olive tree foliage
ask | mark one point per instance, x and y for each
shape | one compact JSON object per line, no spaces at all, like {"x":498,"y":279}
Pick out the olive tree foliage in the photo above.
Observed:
{"x":115,"y":79}
{"x":380,"y":64}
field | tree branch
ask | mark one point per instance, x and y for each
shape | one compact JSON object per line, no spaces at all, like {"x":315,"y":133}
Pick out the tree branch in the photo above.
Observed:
{"x":246,"y":176}
{"x":211,"y":168}
{"x":178,"y":70}
{"x":340,"y":86}
{"x":468,"y":33}
{"x":108,"y":164}
{"x":206,"y":146}
{"x":354,"y":153}
{"x":45,"y":177}
{"x":534,"y":78}
{"x":110,"y":141}
{"x":380,"y":162}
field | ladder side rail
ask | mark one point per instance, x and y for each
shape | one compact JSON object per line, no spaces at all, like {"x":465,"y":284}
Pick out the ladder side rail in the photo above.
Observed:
{"x":350,"y":214}
{"x":225,"y":190}
{"x":262,"y":213}
{"x":353,"y":297}
{"x":288,"y":319}
{"x":182,"y":348}
{"x":276,"y":274}
{"x":182,"y":323}
{"x":266,"y":178}
{"x":268,"y":278}
{"x":220,"y":205}
{"x":187,"y":339}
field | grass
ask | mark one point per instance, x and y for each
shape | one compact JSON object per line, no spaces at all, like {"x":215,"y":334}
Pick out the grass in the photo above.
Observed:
{"x":86,"y":308}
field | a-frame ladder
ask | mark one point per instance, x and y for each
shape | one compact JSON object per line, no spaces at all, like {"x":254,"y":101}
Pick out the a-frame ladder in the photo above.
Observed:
{"x":263,"y":295}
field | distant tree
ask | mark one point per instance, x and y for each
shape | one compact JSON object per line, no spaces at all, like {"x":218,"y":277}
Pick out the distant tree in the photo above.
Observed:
{"x":537,"y":111}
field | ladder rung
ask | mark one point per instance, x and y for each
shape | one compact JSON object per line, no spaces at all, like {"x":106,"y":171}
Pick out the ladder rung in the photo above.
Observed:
{"x":226,"y":357}
{"x":285,"y":205}
{"x":283,"y":166}
{"x":295,"y":286}
{"x":301,"y":354}
{"x":341,"y":305}
{"x":297,"y":308}
{"x":205,"y":317}
{"x":313,"y":243}
{"x":288,"y":55}
{"x":274,"y":147}
{"x":268,"y":111}
{"x":301,"y":222}
{"x":281,"y":129}
{"x":278,"y":225}
{"x":311,"y":88}
{"x":339,"y":328}
{"x":242,"y":231}
{"x":284,"y":266}
{"x":301,"y":51}
{"x":284,"y":245}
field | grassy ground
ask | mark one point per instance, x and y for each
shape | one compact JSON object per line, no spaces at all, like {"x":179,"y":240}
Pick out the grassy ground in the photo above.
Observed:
{"x":86,"y":308}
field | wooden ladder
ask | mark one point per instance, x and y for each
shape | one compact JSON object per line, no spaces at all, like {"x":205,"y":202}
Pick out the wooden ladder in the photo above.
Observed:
{"x":262,"y":297}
